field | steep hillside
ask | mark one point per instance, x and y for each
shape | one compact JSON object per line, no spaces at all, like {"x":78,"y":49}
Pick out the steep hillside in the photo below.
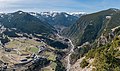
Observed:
{"x":26,"y":23}
{"x":101,"y":55}
{"x":91,"y":26}
{"x":104,"y":58}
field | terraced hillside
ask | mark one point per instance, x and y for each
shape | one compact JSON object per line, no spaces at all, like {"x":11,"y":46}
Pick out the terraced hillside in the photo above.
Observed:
{"x":22,"y":53}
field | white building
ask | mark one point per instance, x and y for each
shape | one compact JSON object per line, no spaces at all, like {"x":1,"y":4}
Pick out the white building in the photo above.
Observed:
{"x":108,"y":17}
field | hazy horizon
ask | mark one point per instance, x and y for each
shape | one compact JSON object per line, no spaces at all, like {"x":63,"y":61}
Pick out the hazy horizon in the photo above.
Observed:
{"x":88,"y":6}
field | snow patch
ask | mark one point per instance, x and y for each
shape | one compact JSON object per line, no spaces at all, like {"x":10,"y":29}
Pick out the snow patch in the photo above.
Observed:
{"x":2,"y":16}
{"x":20,"y":12}
{"x":54,"y":14}
{"x":66,"y":15}
{"x":34,"y":14}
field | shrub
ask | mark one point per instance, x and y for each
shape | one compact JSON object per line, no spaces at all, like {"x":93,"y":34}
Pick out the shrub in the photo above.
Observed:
{"x":84,"y":63}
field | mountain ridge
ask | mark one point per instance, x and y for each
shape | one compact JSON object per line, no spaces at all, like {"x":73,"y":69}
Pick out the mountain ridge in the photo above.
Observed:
{"x":59,"y":18}
{"x":25,"y":22}
{"x":90,"y":26}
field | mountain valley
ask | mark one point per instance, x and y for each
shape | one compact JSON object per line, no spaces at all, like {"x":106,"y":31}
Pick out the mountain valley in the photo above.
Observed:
{"x":60,"y":41}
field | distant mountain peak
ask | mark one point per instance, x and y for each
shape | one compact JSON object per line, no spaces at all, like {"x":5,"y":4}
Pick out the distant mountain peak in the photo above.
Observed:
{"x":26,"y":23}
{"x":58,"y":18}
{"x":114,"y":9}
{"x":20,"y":12}
{"x":56,"y":13}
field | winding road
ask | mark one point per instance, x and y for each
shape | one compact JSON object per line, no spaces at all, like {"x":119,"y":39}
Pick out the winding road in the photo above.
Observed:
{"x":71,"y":51}
{"x":68,"y":58}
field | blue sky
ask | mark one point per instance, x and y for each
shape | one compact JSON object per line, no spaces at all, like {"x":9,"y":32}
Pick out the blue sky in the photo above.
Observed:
{"x":58,"y":5}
